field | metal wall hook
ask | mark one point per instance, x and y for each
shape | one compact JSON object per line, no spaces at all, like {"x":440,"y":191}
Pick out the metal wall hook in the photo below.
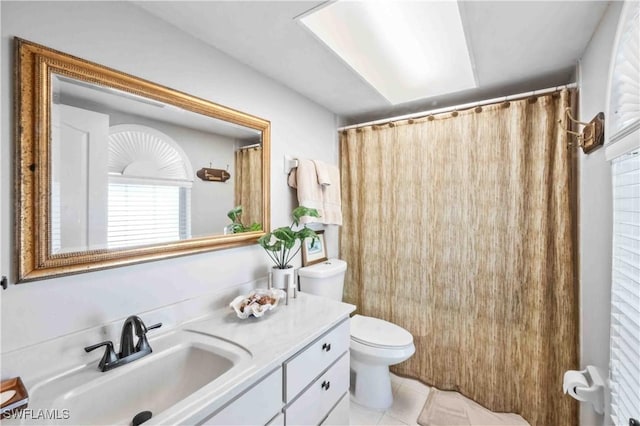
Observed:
{"x":567,"y":111}
{"x":290,"y":163}
{"x":592,"y":134}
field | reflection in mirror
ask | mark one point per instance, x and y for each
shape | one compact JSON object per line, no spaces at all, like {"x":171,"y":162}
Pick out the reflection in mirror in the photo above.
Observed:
{"x":114,"y":170}
{"x":123,"y":170}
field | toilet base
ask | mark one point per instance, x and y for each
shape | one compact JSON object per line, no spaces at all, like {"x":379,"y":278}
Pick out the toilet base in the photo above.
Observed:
{"x":372,"y":385}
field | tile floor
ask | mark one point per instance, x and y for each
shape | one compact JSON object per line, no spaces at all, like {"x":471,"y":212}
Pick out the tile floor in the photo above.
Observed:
{"x":409,"y":397}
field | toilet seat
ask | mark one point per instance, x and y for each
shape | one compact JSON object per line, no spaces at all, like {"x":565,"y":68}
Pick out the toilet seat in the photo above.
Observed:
{"x":377,"y":333}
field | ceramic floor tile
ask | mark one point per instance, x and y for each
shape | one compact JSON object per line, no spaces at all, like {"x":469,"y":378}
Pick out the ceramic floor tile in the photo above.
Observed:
{"x":416,"y":386}
{"x":396,"y":379}
{"x":388,"y":420}
{"x":396,"y":382}
{"x":362,"y":416}
{"x":407,"y":405}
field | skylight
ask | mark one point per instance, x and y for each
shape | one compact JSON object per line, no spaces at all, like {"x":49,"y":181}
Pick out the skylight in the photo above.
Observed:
{"x":406,"y":50}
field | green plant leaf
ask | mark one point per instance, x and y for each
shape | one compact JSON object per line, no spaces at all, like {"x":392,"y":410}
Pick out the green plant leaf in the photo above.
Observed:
{"x":236,"y":224}
{"x":234,"y":214}
{"x":280,"y":242}
{"x":236,"y":228}
{"x":305,"y":233}
{"x":265,"y":241}
{"x":286,"y":235}
{"x":254,"y":227}
{"x":300,"y":211}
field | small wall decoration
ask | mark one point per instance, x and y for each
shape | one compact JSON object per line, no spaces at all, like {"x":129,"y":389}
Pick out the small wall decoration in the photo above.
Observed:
{"x":314,"y":250}
{"x":213,"y":175}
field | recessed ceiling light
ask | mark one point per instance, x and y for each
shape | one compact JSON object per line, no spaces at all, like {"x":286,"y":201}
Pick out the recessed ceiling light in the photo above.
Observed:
{"x":406,"y":50}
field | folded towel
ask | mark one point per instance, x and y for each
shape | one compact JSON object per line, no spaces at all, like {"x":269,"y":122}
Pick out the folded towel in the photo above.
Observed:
{"x":309,"y":191}
{"x":323,"y":172}
{"x":331,"y":198}
{"x":292,"y":178}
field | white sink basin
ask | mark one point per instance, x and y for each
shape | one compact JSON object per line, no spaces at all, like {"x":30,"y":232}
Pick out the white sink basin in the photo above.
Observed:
{"x":182,"y":362}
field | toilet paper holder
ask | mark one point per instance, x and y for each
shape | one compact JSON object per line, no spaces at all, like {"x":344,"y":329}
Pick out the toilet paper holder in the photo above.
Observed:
{"x":590,"y":389}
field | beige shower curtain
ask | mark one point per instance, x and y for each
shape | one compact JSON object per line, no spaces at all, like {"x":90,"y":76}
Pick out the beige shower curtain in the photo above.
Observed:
{"x":459,"y":228}
{"x":248,"y":184}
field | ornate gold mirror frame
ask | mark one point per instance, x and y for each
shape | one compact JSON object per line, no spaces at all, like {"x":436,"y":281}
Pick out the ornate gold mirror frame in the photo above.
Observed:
{"x":33,"y":82}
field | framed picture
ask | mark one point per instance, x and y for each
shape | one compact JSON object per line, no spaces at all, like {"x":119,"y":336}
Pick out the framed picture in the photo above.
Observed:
{"x":314,"y":250}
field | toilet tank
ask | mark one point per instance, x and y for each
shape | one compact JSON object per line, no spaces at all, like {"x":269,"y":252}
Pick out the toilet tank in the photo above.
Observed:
{"x":324,"y":279}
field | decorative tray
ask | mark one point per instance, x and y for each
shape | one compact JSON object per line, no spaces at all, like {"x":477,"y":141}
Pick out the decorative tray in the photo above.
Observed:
{"x":257,"y":302}
{"x":13,"y":396}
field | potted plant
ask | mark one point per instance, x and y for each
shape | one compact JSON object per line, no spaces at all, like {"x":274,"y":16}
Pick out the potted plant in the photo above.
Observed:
{"x":236,"y":225}
{"x":280,"y":244}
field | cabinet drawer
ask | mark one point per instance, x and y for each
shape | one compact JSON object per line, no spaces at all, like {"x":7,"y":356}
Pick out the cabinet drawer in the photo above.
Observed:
{"x":323,"y":394}
{"x":256,"y":406}
{"x":305,"y":366}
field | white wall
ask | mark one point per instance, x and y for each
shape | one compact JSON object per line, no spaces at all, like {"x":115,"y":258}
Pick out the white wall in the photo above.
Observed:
{"x":124,"y":37}
{"x":595,"y":209}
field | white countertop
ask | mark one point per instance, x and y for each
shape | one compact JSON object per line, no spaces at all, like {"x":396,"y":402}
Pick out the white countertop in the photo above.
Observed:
{"x":271,"y":340}
{"x":279,"y":333}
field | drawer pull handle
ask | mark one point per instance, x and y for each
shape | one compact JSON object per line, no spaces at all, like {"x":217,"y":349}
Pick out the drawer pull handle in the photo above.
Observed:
{"x":326,"y":385}
{"x":326,"y":347}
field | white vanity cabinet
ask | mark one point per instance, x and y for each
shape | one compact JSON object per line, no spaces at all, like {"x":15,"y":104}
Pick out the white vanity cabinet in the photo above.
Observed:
{"x":316,"y":380}
{"x":310,"y":388}
{"x":256,"y":406}
{"x":316,"y":403}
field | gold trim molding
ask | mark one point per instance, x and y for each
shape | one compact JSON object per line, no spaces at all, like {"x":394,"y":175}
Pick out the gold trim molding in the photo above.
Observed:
{"x":34,"y":66}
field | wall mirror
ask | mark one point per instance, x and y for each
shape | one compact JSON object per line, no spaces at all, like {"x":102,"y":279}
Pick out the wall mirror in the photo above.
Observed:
{"x":113,"y":170}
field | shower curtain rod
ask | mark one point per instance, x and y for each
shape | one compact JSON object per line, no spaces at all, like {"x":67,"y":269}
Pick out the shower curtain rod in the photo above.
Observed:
{"x":461,"y":106}
{"x":255,"y":145}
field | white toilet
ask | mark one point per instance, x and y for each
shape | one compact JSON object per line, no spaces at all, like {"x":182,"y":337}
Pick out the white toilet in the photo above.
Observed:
{"x":375,"y":344}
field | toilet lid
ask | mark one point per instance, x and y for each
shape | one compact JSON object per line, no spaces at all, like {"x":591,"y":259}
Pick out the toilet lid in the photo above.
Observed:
{"x":377,"y":332}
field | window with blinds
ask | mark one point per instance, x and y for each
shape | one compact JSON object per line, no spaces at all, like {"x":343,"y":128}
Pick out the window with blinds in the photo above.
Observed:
{"x":141,"y":214}
{"x":623,"y":112}
{"x":625,"y":293}
{"x":625,"y":92}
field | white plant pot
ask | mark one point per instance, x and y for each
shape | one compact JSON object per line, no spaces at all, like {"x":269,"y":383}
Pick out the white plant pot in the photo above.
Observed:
{"x":280,"y":278}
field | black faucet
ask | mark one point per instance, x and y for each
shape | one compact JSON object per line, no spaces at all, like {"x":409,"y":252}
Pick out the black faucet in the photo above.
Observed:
{"x":128,"y":352}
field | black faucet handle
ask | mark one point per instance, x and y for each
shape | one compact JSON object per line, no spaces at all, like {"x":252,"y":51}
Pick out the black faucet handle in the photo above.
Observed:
{"x":143,"y":343}
{"x":109,"y":354}
{"x":154,"y":326}
{"x":142,"y":329}
{"x":108,"y":344}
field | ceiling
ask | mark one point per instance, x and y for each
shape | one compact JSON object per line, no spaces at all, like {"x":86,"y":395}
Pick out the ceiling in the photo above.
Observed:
{"x":516,"y":46}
